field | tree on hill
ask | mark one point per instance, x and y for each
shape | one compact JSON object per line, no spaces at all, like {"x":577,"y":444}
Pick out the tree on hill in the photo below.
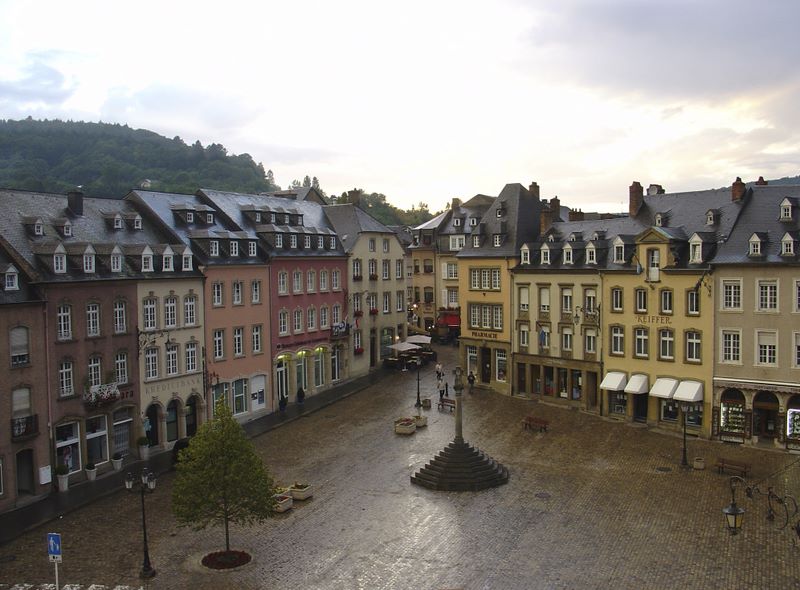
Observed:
{"x":221,"y":479}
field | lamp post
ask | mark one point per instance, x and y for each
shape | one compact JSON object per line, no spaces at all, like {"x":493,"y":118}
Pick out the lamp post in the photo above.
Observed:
{"x":147,"y":484}
{"x":419,"y":401}
{"x":684,"y":410}
{"x":733,"y":513}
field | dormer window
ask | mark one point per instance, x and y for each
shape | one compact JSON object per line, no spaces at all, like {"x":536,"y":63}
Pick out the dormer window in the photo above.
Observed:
{"x":190,"y":217}
{"x":258,"y":216}
{"x":118,"y":221}
{"x":619,"y":253}
{"x":137,"y":222}
{"x":755,"y":246}
{"x":786,"y":210}
{"x":147,"y":260}
{"x":571,"y":238}
{"x":307,"y":242}
{"x":12,"y":279}
{"x":38,"y":228}
{"x":59,"y":260}
{"x":545,"y":255}
{"x":209,"y":218}
{"x":116,"y":261}
{"x":213,"y":248}
{"x":476,"y":241}
{"x":187,"y":261}
{"x":498,"y":240}
{"x":591,"y":255}
{"x":287,"y":220}
{"x":787,"y":245}
{"x":501,"y":212}
{"x":711,"y":217}
{"x":67,"y":229}
{"x":457,"y":222}
{"x":88,"y":262}
{"x":272,"y":218}
{"x":234,"y":245}
{"x":567,"y":255}
{"x":279,"y":240}
{"x":333,"y":243}
{"x":320,"y":242}
{"x":659,"y":220}
{"x":525,"y":254}
{"x":252,"y":248}
{"x":551,"y":238}
{"x":695,"y":252}
{"x":473,"y":221}
{"x":293,"y":241}
{"x":167,"y":262}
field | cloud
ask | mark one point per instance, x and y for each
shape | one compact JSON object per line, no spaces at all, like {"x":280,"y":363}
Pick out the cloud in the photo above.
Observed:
{"x":38,"y":85}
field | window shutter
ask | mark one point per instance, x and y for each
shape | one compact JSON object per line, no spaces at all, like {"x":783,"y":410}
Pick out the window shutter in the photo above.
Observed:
{"x":19,"y":341}
{"x":21,"y":402}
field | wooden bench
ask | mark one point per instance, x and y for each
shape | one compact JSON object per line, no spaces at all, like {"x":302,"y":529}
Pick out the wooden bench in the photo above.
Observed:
{"x":739,"y":467}
{"x":446,"y":402}
{"x":533,"y":422}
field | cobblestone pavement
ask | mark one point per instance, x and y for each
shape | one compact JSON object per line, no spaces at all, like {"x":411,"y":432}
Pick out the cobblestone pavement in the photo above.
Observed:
{"x":589,"y":504}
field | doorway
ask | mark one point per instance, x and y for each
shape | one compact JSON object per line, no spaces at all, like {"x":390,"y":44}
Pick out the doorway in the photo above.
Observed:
{"x":522,"y":386}
{"x":25,"y":482}
{"x":640,"y":407}
{"x":151,"y":428}
{"x":486,"y":365}
{"x":765,"y":415}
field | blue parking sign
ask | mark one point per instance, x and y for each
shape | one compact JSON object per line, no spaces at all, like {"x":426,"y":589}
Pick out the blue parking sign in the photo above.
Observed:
{"x":54,"y":546}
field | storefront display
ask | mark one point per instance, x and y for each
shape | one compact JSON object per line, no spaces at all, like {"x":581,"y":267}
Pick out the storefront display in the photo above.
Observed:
{"x":617,"y":402}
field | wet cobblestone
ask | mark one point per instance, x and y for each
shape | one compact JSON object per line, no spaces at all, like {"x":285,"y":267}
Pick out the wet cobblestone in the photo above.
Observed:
{"x":589,"y":504}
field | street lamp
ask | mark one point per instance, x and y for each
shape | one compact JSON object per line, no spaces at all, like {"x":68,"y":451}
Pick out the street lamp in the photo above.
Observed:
{"x":733,"y":513}
{"x":147,"y":484}
{"x":684,"y":460}
{"x":419,"y":401}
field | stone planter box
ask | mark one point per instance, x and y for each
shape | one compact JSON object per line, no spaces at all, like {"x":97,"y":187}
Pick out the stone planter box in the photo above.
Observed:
{"x":426,"y":403}
{"x":91,"y":474}
{"x":63,"y":483}
{"x":405,"y":426}
{"x":421,"y":421}
{"x":302,"y":493}
{"x":699,"y":463}
{"x":283,"y":502}
{"x":117,"y":463}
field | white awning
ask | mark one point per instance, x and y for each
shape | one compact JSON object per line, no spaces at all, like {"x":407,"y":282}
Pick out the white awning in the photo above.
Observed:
{"x":689,"y":391}
{"x":637,"y":384}
{"x":664,"y":387}
{"x":614,"y":380}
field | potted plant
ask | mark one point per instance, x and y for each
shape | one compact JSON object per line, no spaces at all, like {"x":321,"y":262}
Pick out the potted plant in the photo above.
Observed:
{"x":91,"y":471}
{"x":62,"y":472}
{"x":301,"y":491}
{"x":144,"y":447}
{"x":116,"y":461}
{"x":283,"y":502}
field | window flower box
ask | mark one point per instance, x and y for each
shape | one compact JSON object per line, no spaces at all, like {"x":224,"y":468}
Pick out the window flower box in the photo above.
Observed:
{"x":373,"y":277}
{"x":373,"y":311}
{"x":357,"y":277}
{"x":358,"y":313}
{"x":359,"y":350}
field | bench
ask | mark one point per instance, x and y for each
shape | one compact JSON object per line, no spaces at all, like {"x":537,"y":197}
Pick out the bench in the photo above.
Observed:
{"x":446,"y":402}
{"x":740,"y":467}
{"x":533,"y":422}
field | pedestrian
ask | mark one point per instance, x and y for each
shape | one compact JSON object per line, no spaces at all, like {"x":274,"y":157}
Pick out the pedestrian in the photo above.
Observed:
{"x":439,"y":371}
{"x":283,"y":399}
{"x":301,"y":396}
{"x":471,"y":381}
{"x":446,"y":389}
{"x":440,"y":386}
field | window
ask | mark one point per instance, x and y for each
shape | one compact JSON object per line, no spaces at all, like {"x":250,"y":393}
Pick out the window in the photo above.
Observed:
{"x":293,"y":241}
{"x":311,"y":281}
{"x":68,"y":447}
{"x":238,"y":342}
{"x":766,"y":348}
{"x":476,"y":241}
{"x":213,"y":248}
{"x":19,"y":346}
{"x":452,"y":299}
{"x":544,"y":299}
{"x":307,"y":242}
{"x":524,"y":299}
{"x":590,"y":300}
{"x":121,"y":367}
{"x":335,"y":282}
{"x":88,"y":262}
{"x":617,"y":340}
{"x":298,"y":320}
{"x":473,"y":221}
{"x":170,"y":312}
{"x":787,"y":246}
{"x":95,"y":372}
{"x":768,"y":295}
{"x":319,"y":368}
{"x":279,"y":240}
{"x":189,"y":310}
{"x":695,"y":253}
{"x":372,"y":266}
{"x":323,"y":280}
{"x":187,"y":262}
{"x":240,"y":395}
{"x":166,"y":263}
{"x":311,"y":318}
{"x":67,"y":229}
{"x":387,"y":302}
{"x":567,"y":255}
{"x":545,"y":256}
{"x":252,"y":249}
{"x":12,"y":281}
{"x":398,"y":268}
{"x":797,"y":296}
{"x":796,"y":358}
{"x":147,"y":263}
{"x":209,"y":218}
{"x":641,"y":301}
{"x":692,"y":302}
{"x":566,"y":340}
{"x":372,"y":244}
{"x":238,"y":288}
{"x":256,"y":338}
{"x":591,"y":256}
{"x":731,"y":295}
{"x":172,"y":359}
{"x":525,"y":256}
{"x":428,"y":294}
{"x":38,"y":228}
{"x":544,"y":336}
{"x":283,"y":322}
{"x":731,"y":346}
{"x":116,"y":263}
{"x":323,"y":318}
{"x":590,"y":341}
{"x":92,"y":320}
{"x":385,"y":269}
{"x":710,"y":217}
{"x":566,"y":300}
{"x":219,"y":344}
{"x":500,"y":365}
{"x":385,"y":245}
{"x":151,"y":363}
{"x":283,"y":283}
{"x":456,"y":222}
{"x":666,"y":345}
{"x":320,"y":242}
{"x":216,"y":294}
{"x":666,"y":301}
{"x":65,"y":379}
{"x":64,"y":322}
{"x":498,"y":240}
{"x":524,"y":336}
{"x":149,"y":313}
{"x":191,"y":357}
{"x":693,"y":346}
{"x":59,"y":263}
{"x":641,"y":342}
{"x":189,"y":217}
{"x":332,"y":243}
{"x":619,"y":253}
{"x":786,"y":210}
{"x":297,"y":281}
{"x":255,"y":291}
{"x":755,"y":246}
{"x":137,"y":222}
{"x":457,"y":242}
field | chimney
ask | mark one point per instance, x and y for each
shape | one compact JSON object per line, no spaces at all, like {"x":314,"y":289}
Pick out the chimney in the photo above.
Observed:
{"x":75,"y":202}
{"x":456,"y":203}
{"x":555,"y":209}
{"x":655,"y":189}
{"x":576,"y":215}
{"x":761,"y":181}
{"x":533,"y":189}
{"x":636,"y":198}
{"x":545,"y":219}
{"x":354,"y":197}
{"x":737,"y":189}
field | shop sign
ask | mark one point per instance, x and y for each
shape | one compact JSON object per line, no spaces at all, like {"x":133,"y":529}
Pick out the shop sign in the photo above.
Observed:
{"x":340,"y":330}
{"x":489,"y":335}
{"x":653,"y":319}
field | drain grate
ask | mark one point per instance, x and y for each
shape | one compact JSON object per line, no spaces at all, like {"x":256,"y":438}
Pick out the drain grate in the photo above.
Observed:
{"x":542,"y":495}
{"x":664,"y":469}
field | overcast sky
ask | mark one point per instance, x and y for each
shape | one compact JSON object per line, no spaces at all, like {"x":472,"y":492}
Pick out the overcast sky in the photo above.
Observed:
{"x":429,"y":100}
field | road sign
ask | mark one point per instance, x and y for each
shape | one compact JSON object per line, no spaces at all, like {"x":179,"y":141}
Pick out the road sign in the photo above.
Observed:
{"x":54,"y":547}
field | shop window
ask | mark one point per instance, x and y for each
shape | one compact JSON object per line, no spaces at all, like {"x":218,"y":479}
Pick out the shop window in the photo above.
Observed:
{"x":617,"y":402}
{"x":669,"y":410}
{"x":68,"y":447}
{"x":96,"y":440}
{"x":500,"y":364}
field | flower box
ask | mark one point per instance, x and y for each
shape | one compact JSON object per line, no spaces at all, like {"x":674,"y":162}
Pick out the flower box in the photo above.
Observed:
{"x":405,"y":426}
{"x":358,"y":350}
{"x":373,"y":311}
{"x":421,"y":421}
{"x":358,"y":313}
{"x":357,"y":277}
{"x":301,"y":491}
{"x":283,"y":502}
{"x":373,"y":277}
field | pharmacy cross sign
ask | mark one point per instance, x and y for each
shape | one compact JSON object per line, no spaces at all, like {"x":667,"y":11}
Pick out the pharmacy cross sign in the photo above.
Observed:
{"x":54,"y":546}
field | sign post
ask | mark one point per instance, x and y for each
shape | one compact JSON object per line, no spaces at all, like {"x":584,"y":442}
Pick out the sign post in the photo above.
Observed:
{"x":54,"y":550}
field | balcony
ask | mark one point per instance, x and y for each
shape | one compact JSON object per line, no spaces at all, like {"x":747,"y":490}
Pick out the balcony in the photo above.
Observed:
{"x":24,"y":427}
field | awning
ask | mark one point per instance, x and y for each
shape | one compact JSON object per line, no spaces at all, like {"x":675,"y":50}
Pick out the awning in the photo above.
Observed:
{"x":637,"y":384}
{"x":664,"y":387}
{"x":689,"y":391}
{"x":614,"y":380}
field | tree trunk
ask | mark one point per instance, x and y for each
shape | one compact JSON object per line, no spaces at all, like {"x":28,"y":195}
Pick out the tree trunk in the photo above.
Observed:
{"x":227,"y":535}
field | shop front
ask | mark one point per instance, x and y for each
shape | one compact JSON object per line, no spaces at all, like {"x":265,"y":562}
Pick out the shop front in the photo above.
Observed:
{"x":733,"y":421}
{"x":614,"y":384}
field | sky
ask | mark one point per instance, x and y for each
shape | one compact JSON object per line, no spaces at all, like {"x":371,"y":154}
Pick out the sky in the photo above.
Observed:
{"x":425,"y":101}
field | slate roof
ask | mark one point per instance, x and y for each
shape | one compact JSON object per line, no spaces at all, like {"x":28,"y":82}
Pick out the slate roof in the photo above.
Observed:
{"x":476,"y":207}
{"x":25,"y":293}
{"x":349,"y":221}
{"x":761,"y":215}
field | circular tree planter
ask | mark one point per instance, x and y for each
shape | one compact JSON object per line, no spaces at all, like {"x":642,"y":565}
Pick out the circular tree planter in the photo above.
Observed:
{"x":225,"y":560}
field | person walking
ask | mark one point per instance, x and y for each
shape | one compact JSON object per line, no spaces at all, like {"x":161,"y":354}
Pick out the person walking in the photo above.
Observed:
{"x":439,"y":371}
{"x":471,"y":381}
{"x":440,"y":386}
